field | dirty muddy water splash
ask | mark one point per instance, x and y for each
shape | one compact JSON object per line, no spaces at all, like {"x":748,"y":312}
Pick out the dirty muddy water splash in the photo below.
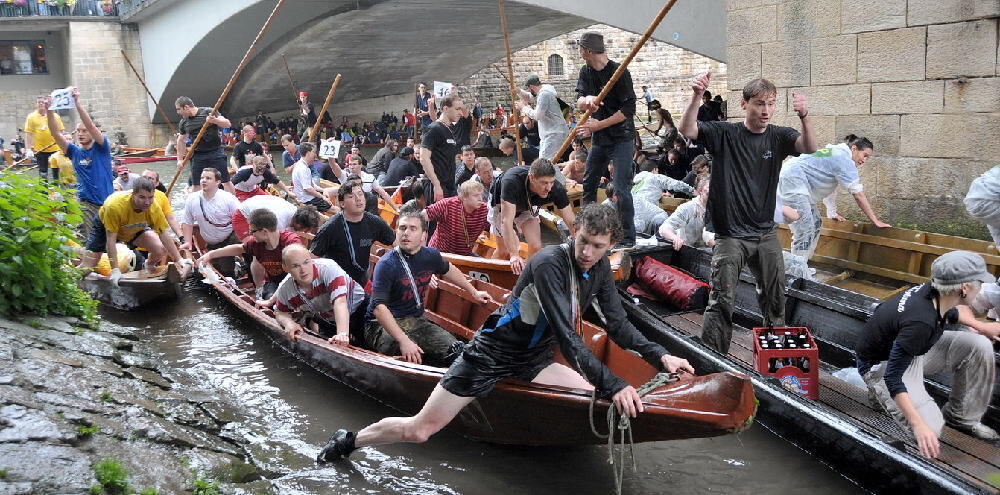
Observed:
{"x":286,"y":410}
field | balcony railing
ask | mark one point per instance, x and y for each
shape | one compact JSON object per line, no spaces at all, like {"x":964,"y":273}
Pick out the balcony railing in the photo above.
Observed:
{"x":59,"y":8}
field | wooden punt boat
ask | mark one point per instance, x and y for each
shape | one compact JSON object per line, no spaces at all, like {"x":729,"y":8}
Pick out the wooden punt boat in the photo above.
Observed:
{"x":517,"y":412}
{"x":486,"y":267}
{"x":877,"y":262}
{"x":136,"y":289}
{"x":131,"y":160}
{"x":841,"y":427}
{"x":131,"y":151}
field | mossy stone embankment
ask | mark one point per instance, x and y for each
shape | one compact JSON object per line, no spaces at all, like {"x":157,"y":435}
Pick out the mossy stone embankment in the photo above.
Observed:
{"x":86,"y":410}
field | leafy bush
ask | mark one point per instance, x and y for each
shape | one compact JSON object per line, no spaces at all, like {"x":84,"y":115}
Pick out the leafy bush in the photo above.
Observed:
{"x":112,"y":476}
{"x":204,"y":486}
{"x":36,"y":274}
{"x":86,"y":431}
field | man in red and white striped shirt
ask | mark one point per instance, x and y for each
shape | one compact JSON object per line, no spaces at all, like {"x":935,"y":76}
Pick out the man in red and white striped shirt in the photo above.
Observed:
{"x":460,"y":219}
{"x":321,"y":290}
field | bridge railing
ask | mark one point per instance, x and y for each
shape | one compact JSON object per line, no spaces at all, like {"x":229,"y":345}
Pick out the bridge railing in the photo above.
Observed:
{"x":59,"y":8}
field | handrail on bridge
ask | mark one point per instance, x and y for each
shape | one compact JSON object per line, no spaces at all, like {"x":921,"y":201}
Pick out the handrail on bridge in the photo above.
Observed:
{"x":60,"y":8}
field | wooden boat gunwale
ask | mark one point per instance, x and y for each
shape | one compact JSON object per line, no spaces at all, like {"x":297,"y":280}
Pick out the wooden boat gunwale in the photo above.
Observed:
{"x":134,"y":293}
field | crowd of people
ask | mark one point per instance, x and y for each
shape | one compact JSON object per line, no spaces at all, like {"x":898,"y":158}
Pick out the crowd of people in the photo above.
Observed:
{"x":308,"y":252}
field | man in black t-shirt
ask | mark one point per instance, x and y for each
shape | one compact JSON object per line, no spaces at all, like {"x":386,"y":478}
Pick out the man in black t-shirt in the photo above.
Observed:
{"x":708,"y":111}
{"x":516,"y":197}
{"x":528,"y":155}
{"x":400,"y":168}
{"x":465,"y":168}
{"x":905,"y":340}
{"x":247,"y":148}
{"x":209,"y":151}
{"x":610,"y":127}
{"x":348,"y":236}
{"x":440,"y":147}
{"x":741,"y":201}
{"x":529,"y":132}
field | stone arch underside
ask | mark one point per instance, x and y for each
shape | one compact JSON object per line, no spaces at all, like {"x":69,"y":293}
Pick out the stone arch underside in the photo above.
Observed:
{"x":380,"y":47}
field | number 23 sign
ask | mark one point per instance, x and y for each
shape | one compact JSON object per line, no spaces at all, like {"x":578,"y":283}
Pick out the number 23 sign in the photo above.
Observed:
{"x":62,"y":99}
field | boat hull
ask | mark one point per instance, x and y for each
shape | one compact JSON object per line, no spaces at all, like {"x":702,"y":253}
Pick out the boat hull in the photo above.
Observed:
{"x":517,"y":412}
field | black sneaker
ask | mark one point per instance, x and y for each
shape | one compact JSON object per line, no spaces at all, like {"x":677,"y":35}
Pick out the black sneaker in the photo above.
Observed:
{"x":340,"y":445}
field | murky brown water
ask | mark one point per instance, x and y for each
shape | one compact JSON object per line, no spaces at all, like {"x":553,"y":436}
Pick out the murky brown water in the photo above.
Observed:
{"x":289,"y":410}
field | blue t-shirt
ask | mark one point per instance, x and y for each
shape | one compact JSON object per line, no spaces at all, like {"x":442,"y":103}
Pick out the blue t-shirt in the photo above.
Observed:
{"x":392,"y":286}
{"x":94,"y":178}
{"x":290,"y":159}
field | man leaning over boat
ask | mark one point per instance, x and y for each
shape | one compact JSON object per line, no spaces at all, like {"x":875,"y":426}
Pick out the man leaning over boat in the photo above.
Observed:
{"x":321,"y":290}
{"x":905,"y":340}
{"x":132,"y":217}
{"x":544,"y":310}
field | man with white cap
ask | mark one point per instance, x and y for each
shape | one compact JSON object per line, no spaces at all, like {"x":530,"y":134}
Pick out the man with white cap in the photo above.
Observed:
{"x":905,"y":340}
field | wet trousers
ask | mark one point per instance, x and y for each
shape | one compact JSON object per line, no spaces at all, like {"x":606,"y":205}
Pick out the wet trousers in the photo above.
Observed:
{"x":765,"y":259}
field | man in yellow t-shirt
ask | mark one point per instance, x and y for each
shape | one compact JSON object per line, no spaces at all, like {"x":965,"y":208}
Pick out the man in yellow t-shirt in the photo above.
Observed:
{"x":39,"y":138}
{"x":62,"y":168}
{"x":132,"y":217}
{"x":161,"y":199}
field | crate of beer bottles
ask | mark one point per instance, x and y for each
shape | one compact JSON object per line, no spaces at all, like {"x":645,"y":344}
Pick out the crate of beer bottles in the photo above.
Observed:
{"x":790,"y":355}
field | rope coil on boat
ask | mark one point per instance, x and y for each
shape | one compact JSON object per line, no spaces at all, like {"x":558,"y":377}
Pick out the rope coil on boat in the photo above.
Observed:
{"x":624,"y":425}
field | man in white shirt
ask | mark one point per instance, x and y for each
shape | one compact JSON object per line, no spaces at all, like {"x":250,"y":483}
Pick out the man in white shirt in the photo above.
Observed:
{"x":211,"y":209}
{"x":302,"y":181}
{"x":552,"y":127}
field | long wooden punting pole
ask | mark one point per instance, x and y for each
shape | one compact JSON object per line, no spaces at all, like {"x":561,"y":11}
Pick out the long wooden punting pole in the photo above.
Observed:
{"x":225,"y":92}
{"x":291,"y":82}
{"x":618,"y":73}
{"x":173,"y":130}
{"x":322,"y":112}
{"x":510,"y":80}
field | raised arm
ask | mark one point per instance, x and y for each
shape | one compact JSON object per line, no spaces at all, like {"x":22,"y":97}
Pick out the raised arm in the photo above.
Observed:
{"x":51,"y":117}
{"x":95,"y":132}
{"x":806,"y":143}
{"x":688,"y":126}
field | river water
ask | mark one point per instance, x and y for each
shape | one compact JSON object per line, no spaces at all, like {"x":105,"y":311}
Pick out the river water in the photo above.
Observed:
{"x":288,"y":410}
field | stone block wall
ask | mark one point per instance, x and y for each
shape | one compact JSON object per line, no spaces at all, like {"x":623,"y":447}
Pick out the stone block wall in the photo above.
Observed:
{"x":112,"y":94}
{"x":18,"y":92}
{"x":667,"y":69}
{"x":918,"y":77}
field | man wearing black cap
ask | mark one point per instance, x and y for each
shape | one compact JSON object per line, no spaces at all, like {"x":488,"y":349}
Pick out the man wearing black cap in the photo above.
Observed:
{"x":552,"y":128}
{"x":400,"y":168}
{"x":610,"y":128}
{"x":905,"y":340}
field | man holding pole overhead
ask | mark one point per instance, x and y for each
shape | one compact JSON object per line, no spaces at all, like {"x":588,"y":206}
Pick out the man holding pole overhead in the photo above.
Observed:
{"x":209,"y":152}
{"x":610,"y":128}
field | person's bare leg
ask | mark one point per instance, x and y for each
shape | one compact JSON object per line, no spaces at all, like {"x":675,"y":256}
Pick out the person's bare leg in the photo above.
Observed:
{"x":441,"y":407}
{"x":532,"y":230}
{"x":149,"y":241}
{"x":258,"y":273}
{"x":562,"y":375}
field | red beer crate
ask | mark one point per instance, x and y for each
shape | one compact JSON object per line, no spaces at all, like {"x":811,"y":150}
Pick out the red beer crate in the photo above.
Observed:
{"x":795,"y":363}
